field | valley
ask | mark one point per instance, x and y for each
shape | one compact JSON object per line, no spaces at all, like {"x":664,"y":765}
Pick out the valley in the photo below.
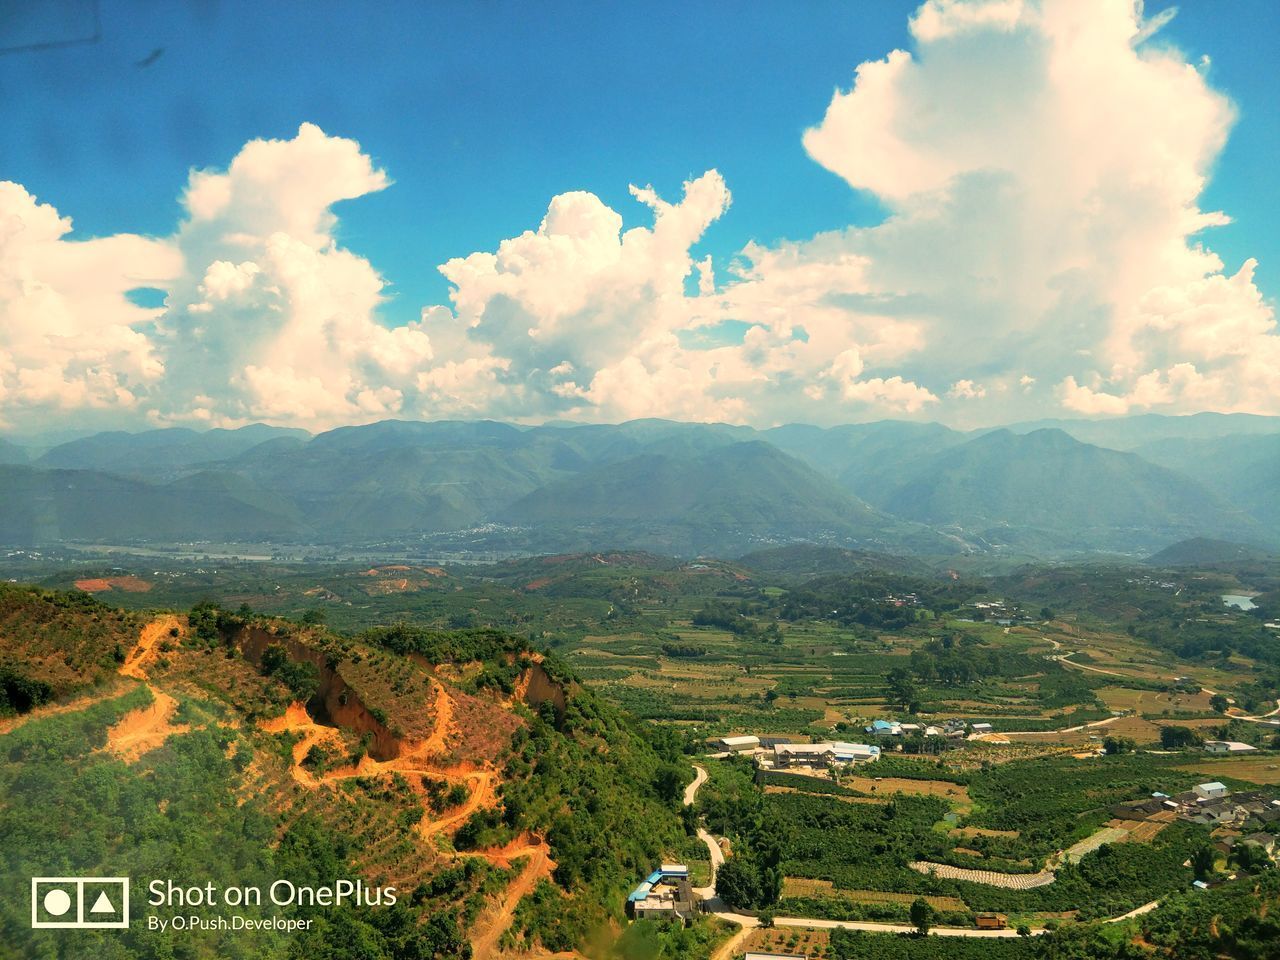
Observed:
{"x":399,"y":704}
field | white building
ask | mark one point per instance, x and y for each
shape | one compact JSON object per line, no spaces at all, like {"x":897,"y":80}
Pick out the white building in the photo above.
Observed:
{"x":739,"y":744}
{"x":1227,"y":746}
{"x":854,"y":753}
{"x":802,"y":754}
{"x":822,"y":754}
{"x":1212,"y":790}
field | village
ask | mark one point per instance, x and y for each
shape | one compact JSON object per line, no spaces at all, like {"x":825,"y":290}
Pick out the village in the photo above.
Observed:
{"x":1243,"y":828}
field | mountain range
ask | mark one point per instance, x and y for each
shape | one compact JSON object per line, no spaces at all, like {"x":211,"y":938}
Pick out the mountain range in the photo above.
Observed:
{"x":1132,"y":486}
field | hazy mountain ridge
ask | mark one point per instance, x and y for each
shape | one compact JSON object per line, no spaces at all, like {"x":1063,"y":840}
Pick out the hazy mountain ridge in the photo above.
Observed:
{"x":1047,"y":486}
{"x":891,"y":486}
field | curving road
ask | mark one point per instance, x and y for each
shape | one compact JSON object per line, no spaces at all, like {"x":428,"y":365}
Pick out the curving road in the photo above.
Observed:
{"x":747,"y":922}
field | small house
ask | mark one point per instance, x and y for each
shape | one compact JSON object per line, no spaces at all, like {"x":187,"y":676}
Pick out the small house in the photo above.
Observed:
{"x":854,"y":753}
{"x":801,"y":755}
{"x":1227,"y":746}
{"x":1213,"y":790}
{"x":884,"y":728}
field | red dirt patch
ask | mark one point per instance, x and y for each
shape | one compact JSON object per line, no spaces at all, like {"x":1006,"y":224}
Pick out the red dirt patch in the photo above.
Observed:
{"x":104,"y":584}
{"x":143,"y":730}
{"x":152,"y":634}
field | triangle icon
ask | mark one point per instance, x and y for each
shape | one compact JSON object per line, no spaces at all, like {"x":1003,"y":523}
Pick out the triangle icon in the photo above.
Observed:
{"x":102,"y":904}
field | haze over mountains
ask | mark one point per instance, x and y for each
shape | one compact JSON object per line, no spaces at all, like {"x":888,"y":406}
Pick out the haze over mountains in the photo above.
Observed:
{"x":1133,"y":485}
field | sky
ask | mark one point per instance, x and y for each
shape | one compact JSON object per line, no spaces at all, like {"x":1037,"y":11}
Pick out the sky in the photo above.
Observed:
{"x":973,"y":211}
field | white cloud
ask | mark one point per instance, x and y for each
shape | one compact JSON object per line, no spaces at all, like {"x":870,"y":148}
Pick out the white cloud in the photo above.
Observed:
{"x":1040,"y":161}
{"x":69,"y":337}
{"x":1043,"y":168}
{"x":966,"y":390}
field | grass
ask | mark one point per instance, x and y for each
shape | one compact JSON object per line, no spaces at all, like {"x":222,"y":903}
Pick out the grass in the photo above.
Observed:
{"x":1264,"y":770}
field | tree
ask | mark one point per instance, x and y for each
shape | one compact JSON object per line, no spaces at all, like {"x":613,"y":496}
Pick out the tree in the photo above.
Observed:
{"x":669,"y":782}
{"x":921,"y":915}
{"x":1219,"y":703}
{"x":1202,"y":862}
{"x":901,"y":689}
{"x":1176,"y":738}
{"x":1250,"y":856}
{"x":1024,"y":930}
{"x":1116,"y":745}
{"x":738,"y":882}
{"x":1046,"y":613}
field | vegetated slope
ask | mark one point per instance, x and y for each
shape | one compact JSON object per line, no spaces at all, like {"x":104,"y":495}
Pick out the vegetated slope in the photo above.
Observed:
{"x":729,"y":496}
{"x":804,"y":560}
{"x":400,"y":477}
{"x":11,"y":453}
{"x":1131,"y":433}
{"x":55,"y":644}
{"x":45,"y":506}
{"x":606,"y":443}
{"x":507,"y":804}
{"x":1203,"y":551}
{"x":865,"y":457}
{"x":153,"y":454}
{"x":1045,"y":490}
{"x":1244,"y":469}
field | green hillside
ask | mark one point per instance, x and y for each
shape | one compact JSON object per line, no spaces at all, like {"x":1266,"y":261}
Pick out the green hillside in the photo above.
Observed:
{"x":730,"y":495}
{"x":1243,"y":468}
{"x":1045,"y":489}
{"x":158,"y":453}
{"x":498,"y":807}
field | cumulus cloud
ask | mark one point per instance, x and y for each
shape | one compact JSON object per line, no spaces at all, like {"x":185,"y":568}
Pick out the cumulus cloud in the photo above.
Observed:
{"x":70,"y":338}
{"x":1041,"y":162}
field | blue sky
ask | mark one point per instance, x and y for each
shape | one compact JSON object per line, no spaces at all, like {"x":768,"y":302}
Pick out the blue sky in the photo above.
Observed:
{"x":481,"y":112}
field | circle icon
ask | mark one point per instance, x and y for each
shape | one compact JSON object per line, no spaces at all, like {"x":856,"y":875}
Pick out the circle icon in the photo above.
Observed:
{"x":57,"y":902}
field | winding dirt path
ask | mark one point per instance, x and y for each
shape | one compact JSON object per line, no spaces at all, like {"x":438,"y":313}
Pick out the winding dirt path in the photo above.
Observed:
{"x":297,"y":720}
{"x":422,"y":758}
{"x":493,"y":924}
{"x":145,"y":649}
{"x":147,"y":728}
{"x":437,"y":742}
{"x":10,"y":724}
{"x":143,"y":730}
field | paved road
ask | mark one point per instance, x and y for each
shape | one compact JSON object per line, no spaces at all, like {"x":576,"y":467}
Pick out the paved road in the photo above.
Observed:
{"x":718,"y":909}
{"x":691,"y":791}
{"x":1267,"y":718}
{"x":1137,"y":912}
{"x":870,"y":927}
{"x":714,"y":853}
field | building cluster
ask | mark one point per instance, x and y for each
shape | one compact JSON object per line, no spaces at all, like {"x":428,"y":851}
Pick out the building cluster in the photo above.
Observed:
{"x":1246,"y":817}
{"x":951,"y":729}
{"x":664,"y":894}
{"x":779,"y":753}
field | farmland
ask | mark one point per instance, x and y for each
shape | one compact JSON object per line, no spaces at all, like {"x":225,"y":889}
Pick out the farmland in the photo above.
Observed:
{"x":1078,"y":694}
